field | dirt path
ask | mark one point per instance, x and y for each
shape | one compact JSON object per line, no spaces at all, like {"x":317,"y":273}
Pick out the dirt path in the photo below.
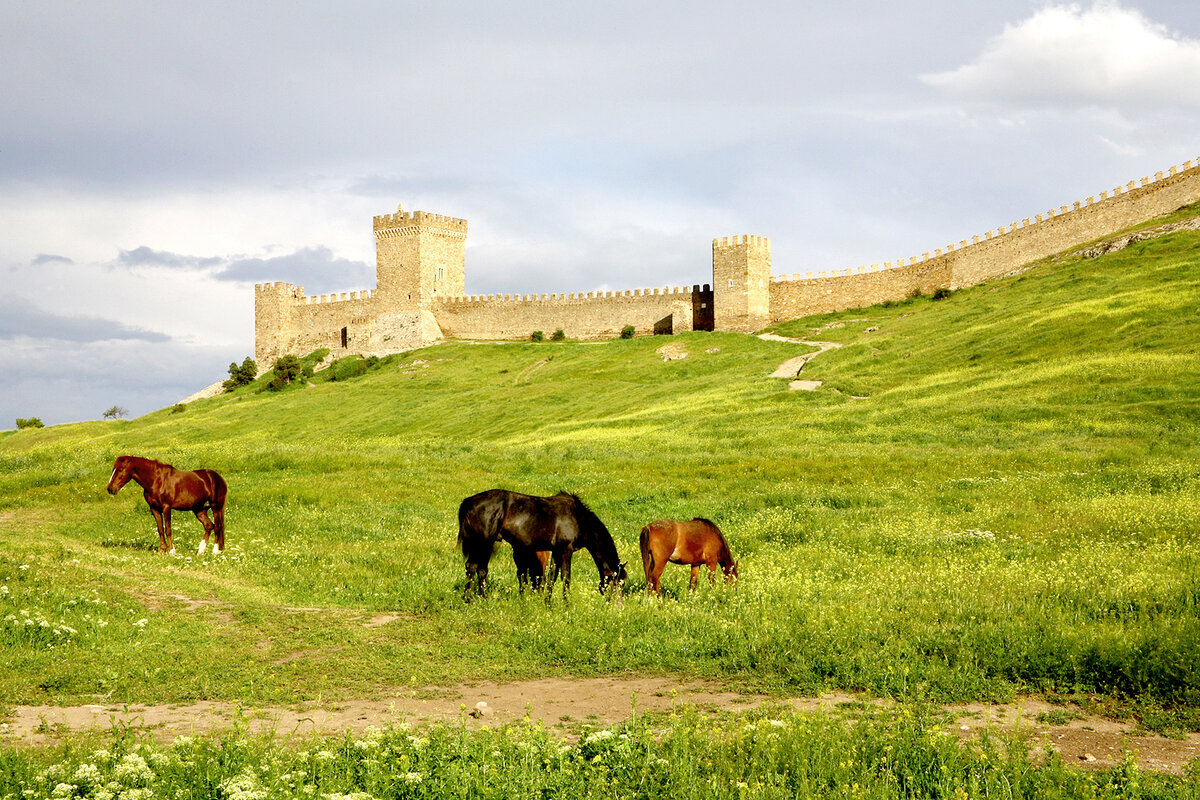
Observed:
{"x":1091,"y":742}
{"x":791,"y":368}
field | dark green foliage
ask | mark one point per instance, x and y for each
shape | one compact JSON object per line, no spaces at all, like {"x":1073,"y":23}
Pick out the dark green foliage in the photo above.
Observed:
{"x":31,"y":422}
{"x":178,"y":408}
{"x":627,"y":332}
{"x":241,"y":376}
{"x":536,"y":336}
{"x":286,"y":370}
{"x":349,"y":367}
{"x":940,"y":293}
{"x":558,"y":335}
{"x":116,"y":412}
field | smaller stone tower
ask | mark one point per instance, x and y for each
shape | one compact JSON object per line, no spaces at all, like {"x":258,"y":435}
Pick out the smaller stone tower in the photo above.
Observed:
{"x":741,"y":283}
{"x":274,"y":328}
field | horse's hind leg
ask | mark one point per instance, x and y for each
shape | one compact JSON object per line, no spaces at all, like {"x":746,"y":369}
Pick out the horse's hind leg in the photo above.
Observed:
{"x":202,"y":515}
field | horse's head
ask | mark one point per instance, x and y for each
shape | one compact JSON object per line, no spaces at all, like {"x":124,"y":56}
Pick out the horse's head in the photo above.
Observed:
{"x":122,"y":471}
{"x":613,"y":578}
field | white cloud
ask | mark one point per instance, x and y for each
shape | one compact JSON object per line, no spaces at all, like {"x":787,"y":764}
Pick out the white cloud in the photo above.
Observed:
{"x":1065,"y":56}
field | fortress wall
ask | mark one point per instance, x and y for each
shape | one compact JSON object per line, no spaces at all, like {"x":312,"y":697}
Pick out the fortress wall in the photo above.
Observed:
{"x":581,"y":315}
{"x":990,"y":255}
{"x":1010,"y":247}
{"x":795,"y":296}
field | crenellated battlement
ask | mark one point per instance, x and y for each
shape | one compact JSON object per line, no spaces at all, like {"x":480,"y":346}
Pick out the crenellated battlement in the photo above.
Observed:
{"x":742,"y":241}
{"x":567,"y":297}
{"x":404,"y":223}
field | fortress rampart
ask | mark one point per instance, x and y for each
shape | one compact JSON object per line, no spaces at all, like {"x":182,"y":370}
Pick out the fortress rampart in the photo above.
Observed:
{"x":991,"y":255}
{"x":420,"y":294}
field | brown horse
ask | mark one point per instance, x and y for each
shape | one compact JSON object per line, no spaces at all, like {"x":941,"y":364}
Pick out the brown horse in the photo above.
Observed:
{"x":694,"y":543}
{"x":531,"y":566}
{"x":166,"y":488}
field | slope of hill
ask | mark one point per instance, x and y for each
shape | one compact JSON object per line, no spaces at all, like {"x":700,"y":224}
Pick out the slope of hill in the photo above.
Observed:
{"x":994,"y":491}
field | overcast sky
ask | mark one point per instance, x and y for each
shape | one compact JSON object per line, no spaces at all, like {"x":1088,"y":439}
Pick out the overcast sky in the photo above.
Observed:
{"x":159,"y":158}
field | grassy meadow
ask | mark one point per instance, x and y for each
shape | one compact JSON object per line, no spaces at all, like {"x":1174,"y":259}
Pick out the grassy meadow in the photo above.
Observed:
{"x":994,"y":493}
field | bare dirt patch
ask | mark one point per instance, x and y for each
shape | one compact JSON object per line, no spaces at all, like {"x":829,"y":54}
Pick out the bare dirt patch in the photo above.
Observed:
{"x":792,"y":367}
{"x":1088,"y":741}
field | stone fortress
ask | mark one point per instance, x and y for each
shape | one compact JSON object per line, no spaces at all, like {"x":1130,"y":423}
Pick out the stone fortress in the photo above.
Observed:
{"x":420,"y":294}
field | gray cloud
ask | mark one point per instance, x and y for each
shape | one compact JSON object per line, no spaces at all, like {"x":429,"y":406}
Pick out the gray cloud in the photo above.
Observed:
{"x":21,"y":320}
{"x":146,"y":257}
{"x":314,"y":268}
{"x":49,"y":258}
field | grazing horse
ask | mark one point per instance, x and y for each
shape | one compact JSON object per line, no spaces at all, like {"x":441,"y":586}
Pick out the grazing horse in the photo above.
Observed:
{"x":694,"y":543}
{"x":558,"y":525}
{"x":166,"y":488}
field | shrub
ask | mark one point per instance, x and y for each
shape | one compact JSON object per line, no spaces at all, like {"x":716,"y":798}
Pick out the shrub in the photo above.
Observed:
{"x":940,"y":293}
{"x":241,"y":376}
{"x":558,"y":335}
{"x":285,"y":370}
{"x":116,"y":412}
{"x":178,"y":408}
{"x":627,"y":332}
{"x":536,"y":336}
{"x":32,"y":422}
{"x":348,"y":367}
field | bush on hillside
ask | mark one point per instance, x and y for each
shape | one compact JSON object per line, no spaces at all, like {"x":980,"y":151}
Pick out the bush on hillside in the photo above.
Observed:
{"x":628,"y":331}
{"x":178,"y":408}
{"x":241,"y":376}
{"x":349,"y":367}
{"x":940,"y":293}
{"x":286,"y":370}
{"x":32,"y":422}
{"x":536,"y":336}
{"x":558,"y":335}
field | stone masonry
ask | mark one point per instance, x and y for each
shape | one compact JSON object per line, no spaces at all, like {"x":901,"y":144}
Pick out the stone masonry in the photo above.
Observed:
{"x":420,"y":293}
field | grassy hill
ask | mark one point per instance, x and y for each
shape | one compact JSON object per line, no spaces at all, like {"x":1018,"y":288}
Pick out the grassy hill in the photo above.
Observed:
{"x":993,"y":492}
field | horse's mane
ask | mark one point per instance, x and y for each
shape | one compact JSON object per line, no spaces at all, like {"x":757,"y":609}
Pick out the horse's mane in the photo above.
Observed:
{"x":705,"y":521}
{"x":594,"y":525}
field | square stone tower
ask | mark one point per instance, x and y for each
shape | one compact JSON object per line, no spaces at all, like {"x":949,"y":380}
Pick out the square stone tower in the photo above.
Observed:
{"x":418,"y":257}
{"x":741,"y":283}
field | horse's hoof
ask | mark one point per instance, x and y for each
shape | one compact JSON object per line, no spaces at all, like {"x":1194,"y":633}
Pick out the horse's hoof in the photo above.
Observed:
{"x":216,"y":550}
{"x":200,"y":549}
{"x":171,"y":552}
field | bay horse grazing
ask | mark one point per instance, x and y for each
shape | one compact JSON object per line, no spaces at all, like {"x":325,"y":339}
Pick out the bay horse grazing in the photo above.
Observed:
{"x":166,"y":488}
{"x":693,"y":543}
{"x":557,"y":525}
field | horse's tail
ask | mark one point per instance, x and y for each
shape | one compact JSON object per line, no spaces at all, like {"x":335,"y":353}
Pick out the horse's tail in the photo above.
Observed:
{"x":217,"y":495}
{"x":647,"y":552}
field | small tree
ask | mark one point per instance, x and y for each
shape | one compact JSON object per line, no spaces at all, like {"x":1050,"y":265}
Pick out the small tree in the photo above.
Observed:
{"x":241,"y":376}
{"x":558,"y":335}
{"x":285,"y":370}
{"x":32,"y":422}
{"x":628,"y":331}
{"x":536,"y":336}
{"x":116,"y":412}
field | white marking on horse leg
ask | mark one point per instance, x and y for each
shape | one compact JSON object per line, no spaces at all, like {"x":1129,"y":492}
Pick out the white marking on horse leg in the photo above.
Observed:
{"x":200,"y":549}
{"x":216,"y":550}
{"x":171,"y":552}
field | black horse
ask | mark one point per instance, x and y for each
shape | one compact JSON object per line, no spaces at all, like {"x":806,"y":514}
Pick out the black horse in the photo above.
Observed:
{"x":560,"y":524}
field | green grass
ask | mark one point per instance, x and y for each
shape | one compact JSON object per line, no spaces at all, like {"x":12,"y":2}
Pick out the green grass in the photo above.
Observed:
{"x":898,"y":754}
{"x":1012,"y":508}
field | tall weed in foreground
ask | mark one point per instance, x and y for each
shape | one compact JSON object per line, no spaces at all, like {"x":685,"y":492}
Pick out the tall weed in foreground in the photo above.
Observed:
{"x":763,"y":755}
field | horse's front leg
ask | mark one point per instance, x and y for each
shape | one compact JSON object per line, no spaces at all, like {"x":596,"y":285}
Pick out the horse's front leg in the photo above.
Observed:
{"x":158,"y":524}
{"x":695,"y":577}
{"x":712,"y":573}
{"x":566,"y":575}
{"x":167,"y":526}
